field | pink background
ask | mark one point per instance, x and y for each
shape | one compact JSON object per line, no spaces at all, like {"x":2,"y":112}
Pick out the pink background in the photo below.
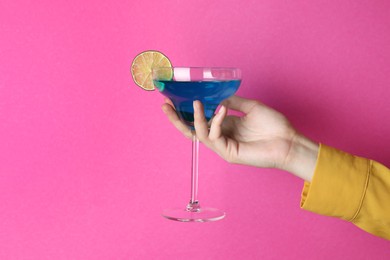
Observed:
{"x":88,"y":160}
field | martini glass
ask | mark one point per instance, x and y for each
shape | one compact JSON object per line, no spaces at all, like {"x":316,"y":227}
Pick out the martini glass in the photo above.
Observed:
{"x":184,"y":85}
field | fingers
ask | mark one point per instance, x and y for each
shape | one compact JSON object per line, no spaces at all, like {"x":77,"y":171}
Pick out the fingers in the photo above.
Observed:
{"x":167,"y":100}
{"x":240,"y":104}
{"x":169,"y":110}
{"x":200,"y":122}
{"x":213,"y":140}
{"x":216,"y":125}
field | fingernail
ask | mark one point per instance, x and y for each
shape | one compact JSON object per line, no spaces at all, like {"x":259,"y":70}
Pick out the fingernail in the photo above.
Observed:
{"x":221,"y":110}
{"x":196,"y":105}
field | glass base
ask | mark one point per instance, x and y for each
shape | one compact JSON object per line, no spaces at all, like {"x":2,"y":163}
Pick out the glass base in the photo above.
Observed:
{"x":198,"y":215}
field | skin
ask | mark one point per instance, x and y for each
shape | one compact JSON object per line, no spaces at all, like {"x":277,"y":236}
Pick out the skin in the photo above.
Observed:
{"x":262,"y":137}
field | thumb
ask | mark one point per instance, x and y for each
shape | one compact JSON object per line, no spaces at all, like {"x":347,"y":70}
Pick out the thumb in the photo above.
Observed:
{"x":240,"y":104}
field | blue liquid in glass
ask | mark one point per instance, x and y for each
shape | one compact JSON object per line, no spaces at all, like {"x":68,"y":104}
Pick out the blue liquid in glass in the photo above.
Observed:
{"x":183,"y":93}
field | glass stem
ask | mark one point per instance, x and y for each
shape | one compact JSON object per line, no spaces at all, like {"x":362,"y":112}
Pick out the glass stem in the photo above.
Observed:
{"x":193,"y":205}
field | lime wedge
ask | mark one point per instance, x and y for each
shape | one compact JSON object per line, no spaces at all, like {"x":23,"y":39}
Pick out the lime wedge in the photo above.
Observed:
{"x":141,"y":68}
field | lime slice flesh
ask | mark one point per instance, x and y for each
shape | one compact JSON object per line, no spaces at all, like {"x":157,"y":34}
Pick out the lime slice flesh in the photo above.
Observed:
{"x":141,"y":68}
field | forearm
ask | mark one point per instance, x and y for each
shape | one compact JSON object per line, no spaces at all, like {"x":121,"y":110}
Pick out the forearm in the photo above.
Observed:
{"x":302,"y":157}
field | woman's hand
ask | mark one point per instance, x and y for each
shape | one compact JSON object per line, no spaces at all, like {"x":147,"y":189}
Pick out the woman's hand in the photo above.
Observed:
{"x":262,"y":137}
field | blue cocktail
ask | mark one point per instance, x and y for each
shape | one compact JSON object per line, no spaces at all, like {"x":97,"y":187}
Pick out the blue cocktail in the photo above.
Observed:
{"x":184,"y":85}
{"x":183,"y":93}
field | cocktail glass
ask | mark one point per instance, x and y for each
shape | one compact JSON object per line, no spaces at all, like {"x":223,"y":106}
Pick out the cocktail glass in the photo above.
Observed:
{"x":184,"y":85}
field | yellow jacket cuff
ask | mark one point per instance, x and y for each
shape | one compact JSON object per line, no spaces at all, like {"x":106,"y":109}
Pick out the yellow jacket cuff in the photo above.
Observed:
{"x":338,"y":184}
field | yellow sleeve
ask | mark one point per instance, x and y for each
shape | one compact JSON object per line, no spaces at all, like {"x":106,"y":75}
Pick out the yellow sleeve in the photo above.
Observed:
{"x":352,"y":188}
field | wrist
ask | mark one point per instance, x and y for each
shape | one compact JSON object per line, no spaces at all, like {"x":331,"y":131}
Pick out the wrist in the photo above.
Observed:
{"x":302,"y":157}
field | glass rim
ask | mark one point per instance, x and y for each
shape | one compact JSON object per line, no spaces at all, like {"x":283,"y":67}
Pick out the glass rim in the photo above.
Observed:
{"x":196,"y":73}
{"x":197,"y":67}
